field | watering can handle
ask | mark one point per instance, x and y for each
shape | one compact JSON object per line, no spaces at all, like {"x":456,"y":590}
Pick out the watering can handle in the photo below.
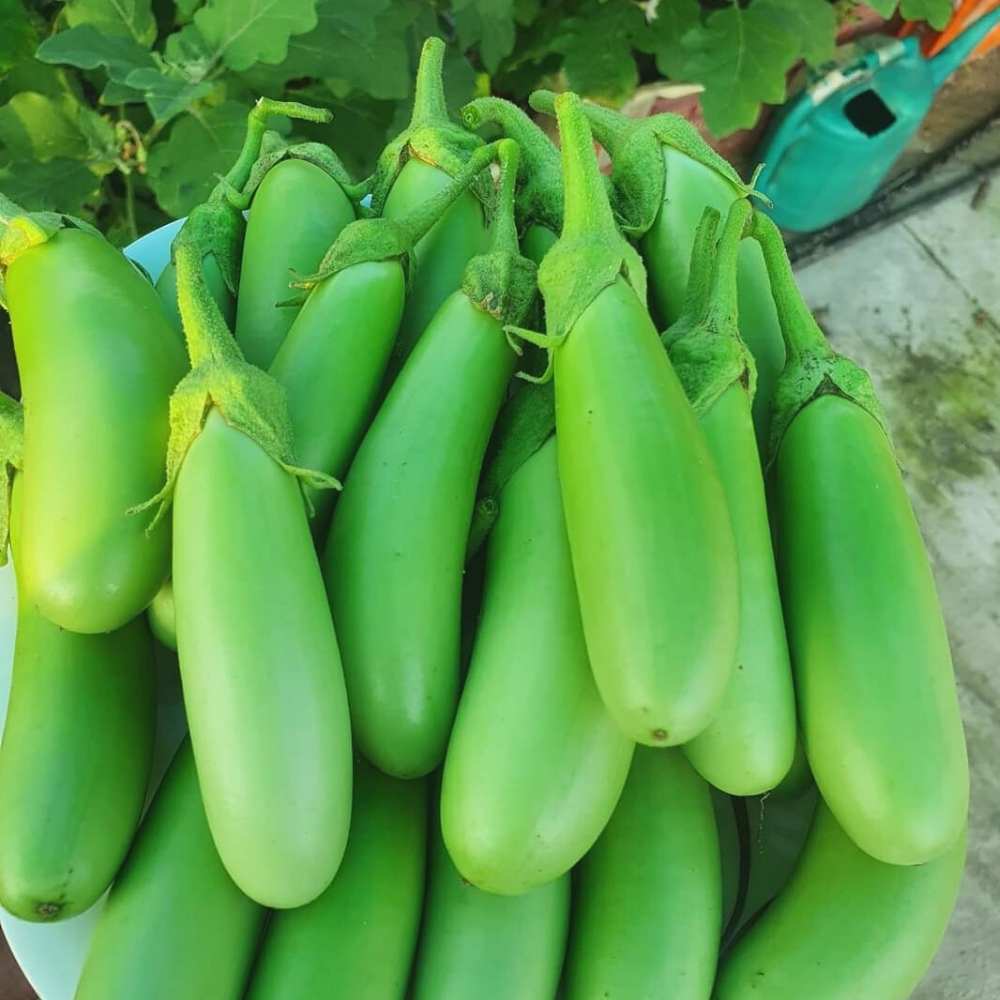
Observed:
{"x":952,"y":56}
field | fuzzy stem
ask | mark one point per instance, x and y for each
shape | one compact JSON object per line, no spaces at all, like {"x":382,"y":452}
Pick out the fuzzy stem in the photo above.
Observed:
{"x":540,"y":197}
{"x":503,"y":229}
{"x":429,"y":103}
{"x":610,"y":128}
{"x":536,"y":149}
{"x":257,"y":119}
{"x":587,"y":210}
{"x":799,"y":328}
{"x":723,"y":299}
{"x":699,"y":286}
{"x":418,"y":222}
{"x":208,"y":338}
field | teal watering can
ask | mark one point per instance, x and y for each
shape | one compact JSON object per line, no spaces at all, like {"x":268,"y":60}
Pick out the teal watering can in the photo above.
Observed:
{"x":829,"y":150}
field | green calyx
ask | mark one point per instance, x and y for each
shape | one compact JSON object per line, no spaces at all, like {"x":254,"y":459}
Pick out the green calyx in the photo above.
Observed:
{"x":591,"y":252}
{"x":274,"y":149}
{"x":431,"y":135}
{"x":699,"y":284}
{"x":540,"y":197}
{"x":526,"y":422}
{"x":638,"y":175}
{"x":11,"y":462}
{"x":220,"y":221}
{"x":380,"y":238}
{"x":501,"y":282}
{"x":813,"y":368}
{"x":706,"y":349}
{"x":248,"y":398}
{"x":21,"y":230}
{"x":529,"y":417}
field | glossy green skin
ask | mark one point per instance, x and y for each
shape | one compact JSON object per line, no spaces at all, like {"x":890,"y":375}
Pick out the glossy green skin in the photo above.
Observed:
{"x":691,"y":187}
{"x":647,"y":898}
{"x":332,"y":364}
{"x":395,"y":557}
{"x":166,"y":288}
{"x":440,"y":257}
{"x":761,"y":332}
{"x":535,"y":764}
{"x":357,"y":940}
{"x":537,"y":242}
{"x":263,"y":687}
{"x":749,"y":744}
{"x":799,"y":777}
{"x":74,"y":762}
{"x":872,"y":928}
{"x":296,"y":213}
{"x":653,"y":550}
{"x":477,"y":944}
{"x":162,"y":616}
{"x":876,"y":691}
{"x":174,"y":924}
{"x":98,"y":361}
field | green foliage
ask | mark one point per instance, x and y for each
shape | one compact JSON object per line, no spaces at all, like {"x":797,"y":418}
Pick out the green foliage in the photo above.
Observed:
{"x":936,"y":12}
{"x":123,"y":111}
{"x":741,"y":55}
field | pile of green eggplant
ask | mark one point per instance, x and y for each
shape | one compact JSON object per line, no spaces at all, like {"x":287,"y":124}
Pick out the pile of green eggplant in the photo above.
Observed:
{"x":550,"y":614}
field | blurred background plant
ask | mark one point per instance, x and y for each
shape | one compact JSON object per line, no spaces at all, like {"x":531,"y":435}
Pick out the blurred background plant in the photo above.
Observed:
{"x":122,"y":111}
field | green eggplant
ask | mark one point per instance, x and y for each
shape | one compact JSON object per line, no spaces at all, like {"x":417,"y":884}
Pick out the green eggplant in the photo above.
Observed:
{"x":846,"y":927}
{"x":357,"y":940}
{"x":647,"y":899}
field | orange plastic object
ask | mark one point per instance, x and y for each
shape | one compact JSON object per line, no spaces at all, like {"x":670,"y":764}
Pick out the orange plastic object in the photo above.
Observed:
{"x":968,"y":11}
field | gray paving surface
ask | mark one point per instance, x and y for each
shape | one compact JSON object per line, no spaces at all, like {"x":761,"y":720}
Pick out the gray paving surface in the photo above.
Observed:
{"x":919,"y":305}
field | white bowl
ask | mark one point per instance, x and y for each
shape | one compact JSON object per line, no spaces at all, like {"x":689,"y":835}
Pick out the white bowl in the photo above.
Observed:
{"x":51,"y":955}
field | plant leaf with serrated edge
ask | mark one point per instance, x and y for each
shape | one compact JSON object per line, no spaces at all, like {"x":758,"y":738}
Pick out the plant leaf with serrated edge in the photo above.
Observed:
{"x":337,"y":26}
{"x":488,"y":24}
{"x":814,"y":24}
{"x":17,"y":36}
{"x":244,"y":32}
{"x":133,"y":18}
{"x":937,"y":13}
{"x":741,"y":56}
{"x":116,"y":93}
{"x":99,"y":134}
{"x":663,"y":34}
{"x":36,"y":126}
{"x":60,"y":185}
{"x":189,"y":53}
{"x":596,"y":43}
{"x":166,"y":96}
{"x":30,"y":74}
{"x":183,"y":170}
{"x":87,"y":48}
{"x":381,"y":67}
{"x":352,"y":49}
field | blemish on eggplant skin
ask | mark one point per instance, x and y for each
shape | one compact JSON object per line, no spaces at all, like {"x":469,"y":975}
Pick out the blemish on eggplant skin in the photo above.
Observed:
{"x":48,"y":911}
{"x":659,"y":735}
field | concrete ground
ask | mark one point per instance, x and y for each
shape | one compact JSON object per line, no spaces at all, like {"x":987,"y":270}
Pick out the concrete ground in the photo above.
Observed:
{"x":918,"y":304}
